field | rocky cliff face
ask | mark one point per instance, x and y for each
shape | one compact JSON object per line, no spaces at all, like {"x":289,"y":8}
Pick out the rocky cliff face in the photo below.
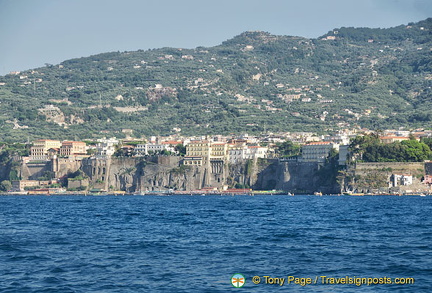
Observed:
{"x":166,"y":172}
{"x":5,"y":169}
{"x":143,"y":174}
{"x":297,"y":177}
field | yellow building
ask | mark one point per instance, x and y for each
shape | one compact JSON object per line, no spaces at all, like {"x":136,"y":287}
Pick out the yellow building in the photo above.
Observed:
{"x":198,"y":149}
{"x":20,"y":185}
{"x":195,"y":153}
{"x":201,"y":152}
{"x":391,"y":139}
{"x":39,"y":150}
{"x":70,"y":148}
{"x":219,"y":151}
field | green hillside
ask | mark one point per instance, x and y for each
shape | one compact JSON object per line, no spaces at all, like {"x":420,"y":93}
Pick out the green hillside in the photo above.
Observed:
{"x":350,"y":77}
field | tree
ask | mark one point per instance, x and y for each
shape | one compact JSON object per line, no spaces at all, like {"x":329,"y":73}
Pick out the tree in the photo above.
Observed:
{"x":370,"y":149}
{"x":288,"y":149}
{"x":428,"y":141}
{"x":416,"y":151}
{"x":359,"y":146}
{"x":5,"y":185}
{"x":165,"y":153}
{"x":181,"y":149}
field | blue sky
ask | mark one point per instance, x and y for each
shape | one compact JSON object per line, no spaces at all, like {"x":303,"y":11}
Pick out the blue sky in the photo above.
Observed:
{"x":35,"y":32}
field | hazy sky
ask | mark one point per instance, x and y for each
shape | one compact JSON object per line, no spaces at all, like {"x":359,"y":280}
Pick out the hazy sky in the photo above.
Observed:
{"x":35,"y":32}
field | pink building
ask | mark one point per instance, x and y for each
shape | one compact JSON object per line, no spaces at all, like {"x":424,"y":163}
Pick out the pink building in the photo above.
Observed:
{"x":427,"y":179}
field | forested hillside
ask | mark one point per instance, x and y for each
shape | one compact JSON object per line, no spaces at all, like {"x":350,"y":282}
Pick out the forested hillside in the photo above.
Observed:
{"x":254,"y":82}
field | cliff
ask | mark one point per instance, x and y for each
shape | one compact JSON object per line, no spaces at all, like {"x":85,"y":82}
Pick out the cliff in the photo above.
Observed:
{"x":142,"y":174}
{"x":158,"y":173}
{"x":377,"y":177}
{"x":167,"y":172}
{"x":297,"y":177}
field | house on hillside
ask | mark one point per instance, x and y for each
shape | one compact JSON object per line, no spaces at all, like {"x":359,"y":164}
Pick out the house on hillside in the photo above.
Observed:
{"x":401,"y":179}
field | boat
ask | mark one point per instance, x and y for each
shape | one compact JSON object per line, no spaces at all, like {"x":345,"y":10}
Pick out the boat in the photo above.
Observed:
{"x":354,"y":193}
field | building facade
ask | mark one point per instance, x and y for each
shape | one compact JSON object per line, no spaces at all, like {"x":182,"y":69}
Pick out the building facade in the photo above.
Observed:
{"x":239,"y":153}
{"x":40,"y":149}
{"x":317,"y":151}
{"x":401,"y":179}
{"x":207,"y":151}
{"x":153,"y":148}
{"x":106,"y":147}
{"x":73,"y":148}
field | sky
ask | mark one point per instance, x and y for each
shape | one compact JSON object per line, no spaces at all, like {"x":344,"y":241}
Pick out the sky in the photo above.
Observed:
{"x":38,"y":32}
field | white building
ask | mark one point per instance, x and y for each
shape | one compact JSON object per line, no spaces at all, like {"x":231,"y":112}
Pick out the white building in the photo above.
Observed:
{"x":317,"y":151}
{"x":255,"y":152}
{"x":338,"y":138}
{"x":153,"y":148}
{"x":238,"y":153}
{"x":106,"y":147}
{"x":402,"y":179}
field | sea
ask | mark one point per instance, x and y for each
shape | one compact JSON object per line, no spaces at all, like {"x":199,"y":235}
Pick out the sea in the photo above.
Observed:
{"x":214,"y":243}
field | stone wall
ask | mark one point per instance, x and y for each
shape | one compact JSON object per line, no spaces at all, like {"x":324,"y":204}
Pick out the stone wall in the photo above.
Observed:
{"x":77,"y":184}
{"x":32,"y":171}
{"x":378,"y":176}
{"x":64,"y":166}
{"x":394,"y":167}
{"x":59,"y":166}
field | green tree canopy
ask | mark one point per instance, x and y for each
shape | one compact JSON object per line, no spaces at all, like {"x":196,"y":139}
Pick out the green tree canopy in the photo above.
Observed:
{"x":369,"y":148}
{"x":5,"y":185}
{"x":288,"y":149}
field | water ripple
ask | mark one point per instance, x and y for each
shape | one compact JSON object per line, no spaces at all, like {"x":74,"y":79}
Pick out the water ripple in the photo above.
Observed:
{"x":195,"y":244}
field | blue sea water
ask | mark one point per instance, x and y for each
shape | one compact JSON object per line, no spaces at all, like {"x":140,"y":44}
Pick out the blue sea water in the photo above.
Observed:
{"x":196,"y":243}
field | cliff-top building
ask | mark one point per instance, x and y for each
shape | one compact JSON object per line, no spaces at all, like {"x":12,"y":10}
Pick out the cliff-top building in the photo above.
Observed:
{"x":73,"y":148}
{"x":154,"y":148}
{"x":317,"y":151}
{"x":240,"y":152}
{"x":202,"y":152}
{"x":40,"y":149}
{"x":106,"y":147}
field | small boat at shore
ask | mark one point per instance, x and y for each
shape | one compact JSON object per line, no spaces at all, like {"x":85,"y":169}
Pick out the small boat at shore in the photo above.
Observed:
{"x":354,"y":193}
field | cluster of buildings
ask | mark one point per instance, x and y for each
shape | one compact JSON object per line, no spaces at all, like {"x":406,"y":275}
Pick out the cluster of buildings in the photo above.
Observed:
{"x":45,"y":149}
{"x":198,"y":152}
{"x":223,"y":148}
{"x":233,"y":151}
{"x":213,"y":153}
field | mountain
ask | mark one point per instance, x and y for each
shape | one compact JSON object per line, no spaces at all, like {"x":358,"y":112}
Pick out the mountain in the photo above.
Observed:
{"x":254,"y":82}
